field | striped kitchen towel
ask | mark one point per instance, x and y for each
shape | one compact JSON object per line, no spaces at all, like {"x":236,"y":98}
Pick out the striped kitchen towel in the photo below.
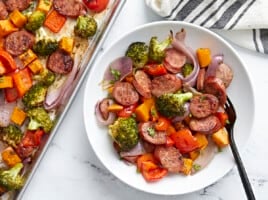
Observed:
{"x":245,"y":20}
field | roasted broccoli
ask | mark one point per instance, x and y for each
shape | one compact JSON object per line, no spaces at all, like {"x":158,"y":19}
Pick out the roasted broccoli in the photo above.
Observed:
{"x":45,"y":47}
{"x":11,"y":134}
{"x":35,"y":21}
{"x":35,"y":96}
{"x":157,"y":49}
{"x":46,"y":77}
{"x":124,"y":131}
{"x":171,"y":105}
{"x":85,"y":27}
{"x":138,"y":52}
{"x":187,"y":69}
{"x":11,"y":179}
{"x":39,"y":118}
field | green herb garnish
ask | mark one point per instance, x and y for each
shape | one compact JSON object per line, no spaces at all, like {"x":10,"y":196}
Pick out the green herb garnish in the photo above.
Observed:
{"x":116,"y":73}
{"x":151,"y":131}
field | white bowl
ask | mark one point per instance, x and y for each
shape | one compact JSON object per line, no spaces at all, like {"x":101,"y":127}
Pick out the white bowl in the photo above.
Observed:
{"x":240,"y":92}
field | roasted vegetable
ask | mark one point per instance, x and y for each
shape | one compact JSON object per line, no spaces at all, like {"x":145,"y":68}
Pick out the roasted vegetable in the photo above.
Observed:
{"x":39,"y":118}
{"x":11,"y":179}
{"x":157,"y":49}
{"x":46,"y":77}
{"x":124,"y":131}
{"x":35,"y":96}
{"x":11,"y":134}
{"x":187,"y":69}
{"x":171,"y":105}
{"x":35,"y":21}
{"x":45,"y":47}
{"x":85,"y":27}
{"x":138,"y":52}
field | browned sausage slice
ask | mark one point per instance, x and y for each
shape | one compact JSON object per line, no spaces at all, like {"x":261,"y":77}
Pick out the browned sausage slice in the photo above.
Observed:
{"x":225,"y":73}
{"x":148,"y":133}
{"x":18,"y":42}
{"x":207,"y":125}
{"x":60,"y":62}
{"x":142,"y":83}
{"x":201,"y":79}
{"x":125,"y":94}
{"x":167,"y":83}
{"x":15,"y":4}
{"x":174,"y":60}
{"x":69,"y":8}
{"x":104,"y":104}
{"x":204,"y":105}
{"x":170,"y":158}
{"x":215,"y":86}
{"x":3,"y":11}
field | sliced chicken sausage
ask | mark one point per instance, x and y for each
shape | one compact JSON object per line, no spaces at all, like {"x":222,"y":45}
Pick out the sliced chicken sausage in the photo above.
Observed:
{"x":18,"y":42}
{"x":15,"y":4}
{"x":60,"y":62}
{"x":69,"y":8}
{"x":174,"y":60}
{"x":170,"y":158}
{"x":207,"y":125}
{"x":125,"y":94}
{"x":204,"y":105}
{"x":167,"y":83}
{"x":150,"y":135}
{"x":142,"y":83}
{"x":3,"y":11}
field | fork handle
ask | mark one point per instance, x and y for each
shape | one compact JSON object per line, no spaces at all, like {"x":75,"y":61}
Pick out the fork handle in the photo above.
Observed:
{"x":241,"y":169}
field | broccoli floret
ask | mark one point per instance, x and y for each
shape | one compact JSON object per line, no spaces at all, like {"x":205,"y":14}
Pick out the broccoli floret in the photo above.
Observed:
{"x":124,"y":131}
{"x":46,"y":77}
{"x":39,"y":118}
{"x":85,"y":27}
{"x":171,"y":105}
{"x":11,"y":179}
{"x":187,"y":69}
{"x":45,"y":47}
{"x":35,"y":96}
{"x":157,"y":49}
{"x":35,"y":21}
{"x":11,"y":134}
{"x":138,"y":52}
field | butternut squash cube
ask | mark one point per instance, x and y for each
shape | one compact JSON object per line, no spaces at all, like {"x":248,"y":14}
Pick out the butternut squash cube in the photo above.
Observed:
{"x":202,"y":140}
{"x":66,"y":44}
{"x":187,"y":166}
{"x":44,"y":5}
{"x":27,"y":57}
{"x":10,"y":157}
{"x":6,"y":27}
{"x":18,"y":116}
{"x":36,"y":66}
{"x":6,"y":82}
{"x":221,"y":137}
{"x":17,"y":18}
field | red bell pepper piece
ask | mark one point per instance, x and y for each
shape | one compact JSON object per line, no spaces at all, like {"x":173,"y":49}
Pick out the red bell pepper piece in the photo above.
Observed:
{"x":155,"y":69}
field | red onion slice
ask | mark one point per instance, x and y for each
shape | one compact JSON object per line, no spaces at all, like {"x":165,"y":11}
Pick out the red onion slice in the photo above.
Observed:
{"x":179,"y":44}
{"x":111,"y":117}
{"x":5,"y":113}
{"x":60,"y":88}
{"x":135,"y":151}
{"x":214,"y":64}
{"x":123,"y":65}
{"x":186,"y":113}
{"x":205,"y":156}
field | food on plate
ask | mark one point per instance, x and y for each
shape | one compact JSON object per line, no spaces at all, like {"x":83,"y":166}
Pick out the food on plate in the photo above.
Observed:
{"x":42,"y":45}
{"x":164,"y":108}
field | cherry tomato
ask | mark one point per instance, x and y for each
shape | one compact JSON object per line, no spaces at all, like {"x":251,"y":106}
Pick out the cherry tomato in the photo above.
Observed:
{"x":184,"y":140}
{"x":32,"y":138}
{"x":127,"y":111}
{"x":155,"y":69}
{"x":96,"y":5}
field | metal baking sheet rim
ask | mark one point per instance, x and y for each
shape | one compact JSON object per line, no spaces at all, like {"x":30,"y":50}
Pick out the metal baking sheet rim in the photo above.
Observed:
{"x":116,"y":11}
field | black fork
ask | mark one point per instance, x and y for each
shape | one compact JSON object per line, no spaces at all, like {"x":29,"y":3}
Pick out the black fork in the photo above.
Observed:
{"x":229,"y":108}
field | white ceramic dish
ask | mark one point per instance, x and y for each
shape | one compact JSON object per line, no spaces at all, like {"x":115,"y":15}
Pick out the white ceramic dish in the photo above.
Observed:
{"x":240,"y":92}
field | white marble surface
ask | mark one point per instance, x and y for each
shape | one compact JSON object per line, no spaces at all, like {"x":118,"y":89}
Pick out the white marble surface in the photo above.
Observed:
{"x":70,"y":170}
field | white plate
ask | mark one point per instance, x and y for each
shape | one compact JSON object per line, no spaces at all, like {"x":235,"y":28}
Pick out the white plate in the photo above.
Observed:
{"x":240,"y":92}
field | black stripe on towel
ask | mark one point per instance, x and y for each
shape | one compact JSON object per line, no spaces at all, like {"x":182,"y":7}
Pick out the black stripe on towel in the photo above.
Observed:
{"x":203,"y":11}
{"x":228,"y":14}
{"x":242,"y":14}
{"x":213,"y":13}
{"x":171,"y":13}
{"x":264,"y":39}
{"x":187,"y":9}
{"x":255,"y":40}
